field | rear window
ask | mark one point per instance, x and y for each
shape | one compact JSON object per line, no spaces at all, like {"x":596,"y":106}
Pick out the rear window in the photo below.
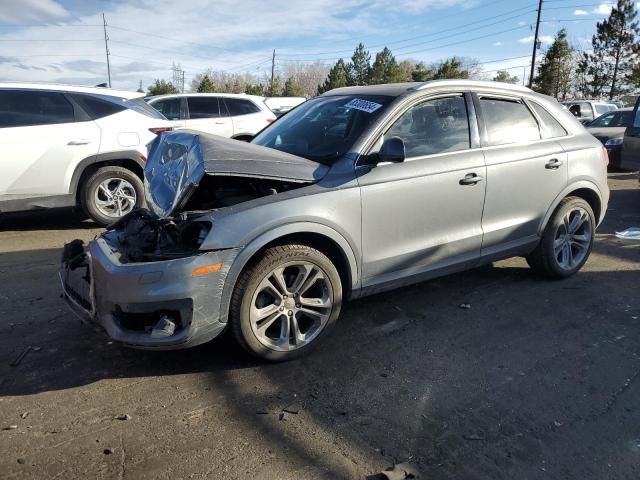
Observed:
{"x":508,"y":121}
{"x":239,"y":106}
{"x":25,"y":108}
{"x":97,"y":107}
{"x":551,"y":128}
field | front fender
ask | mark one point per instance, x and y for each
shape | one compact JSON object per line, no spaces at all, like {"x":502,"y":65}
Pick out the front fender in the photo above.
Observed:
{"x":249,"y":250}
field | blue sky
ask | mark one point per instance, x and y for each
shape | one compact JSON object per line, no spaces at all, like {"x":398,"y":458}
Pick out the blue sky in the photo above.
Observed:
{"x":62,"y":40}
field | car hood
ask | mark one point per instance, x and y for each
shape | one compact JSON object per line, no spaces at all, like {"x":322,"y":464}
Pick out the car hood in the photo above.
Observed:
{"x":605,"y":133}
{"x":179,"y":160}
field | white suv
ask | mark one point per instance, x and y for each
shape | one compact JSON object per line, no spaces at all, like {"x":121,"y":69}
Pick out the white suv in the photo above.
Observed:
{"x":229,"y":115}
{"x":64,"y":145}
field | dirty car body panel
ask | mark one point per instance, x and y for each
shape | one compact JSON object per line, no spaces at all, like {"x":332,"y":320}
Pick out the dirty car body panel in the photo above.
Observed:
{"x":216,"y":204}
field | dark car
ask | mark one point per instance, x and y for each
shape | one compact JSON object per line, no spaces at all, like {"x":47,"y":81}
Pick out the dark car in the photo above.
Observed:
{"x":609,"y":129}
{"x":630,"y":158}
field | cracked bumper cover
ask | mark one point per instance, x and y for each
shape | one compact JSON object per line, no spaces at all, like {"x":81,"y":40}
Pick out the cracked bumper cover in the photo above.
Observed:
{"x":115,"y":290}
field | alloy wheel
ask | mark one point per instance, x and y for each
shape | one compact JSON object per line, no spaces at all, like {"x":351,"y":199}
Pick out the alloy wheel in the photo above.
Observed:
{"x":573,"y":238}
{"x":115,"y":197}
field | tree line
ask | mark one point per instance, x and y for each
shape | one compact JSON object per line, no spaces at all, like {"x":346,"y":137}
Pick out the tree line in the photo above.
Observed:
{"x":611,"y":67}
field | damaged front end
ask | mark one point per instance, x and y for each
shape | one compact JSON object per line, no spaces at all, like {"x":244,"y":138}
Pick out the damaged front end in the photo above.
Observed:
{"x":146,"y":280}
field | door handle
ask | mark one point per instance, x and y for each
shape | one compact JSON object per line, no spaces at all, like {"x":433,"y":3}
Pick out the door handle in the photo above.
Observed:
{"x":79,"y":142}
{"x":219,"y":123}
{"x":470,"y":179}
{"x":553,"y":164}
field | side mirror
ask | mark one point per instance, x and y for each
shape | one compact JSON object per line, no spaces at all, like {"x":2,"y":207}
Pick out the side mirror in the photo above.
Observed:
{"x":392,"y":150}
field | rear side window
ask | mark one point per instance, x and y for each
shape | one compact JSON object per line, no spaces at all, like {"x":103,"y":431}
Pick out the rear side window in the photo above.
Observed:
{"x":97,"y":107}
{"x":508,"y":121}
{"x":551,"y":128}
{"x":602,"y":108}
{"x":170,"y":108}
{"x":203,"y":107}
{"x":239,"y":106}
{"x":25,"y":108}
{"x":140,"y":106}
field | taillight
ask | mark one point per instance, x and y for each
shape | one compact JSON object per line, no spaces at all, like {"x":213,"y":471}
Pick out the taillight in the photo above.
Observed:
{"x":143,"y":158}
{"x":159,"y":130}
{"x":606,"y":156}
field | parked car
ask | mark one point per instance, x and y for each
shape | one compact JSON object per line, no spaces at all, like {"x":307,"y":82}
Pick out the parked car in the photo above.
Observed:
{"x":229,"y":115}
{"x":281,"y":105}
{"x":64,"y":145}
{"x":630,"y":157}
{"x":586,"y":110}
{"x":609,"y":129}
{"x":354,"y":192}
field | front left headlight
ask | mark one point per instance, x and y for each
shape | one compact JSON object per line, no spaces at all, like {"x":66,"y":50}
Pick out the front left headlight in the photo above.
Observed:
{"x":612,"y":142}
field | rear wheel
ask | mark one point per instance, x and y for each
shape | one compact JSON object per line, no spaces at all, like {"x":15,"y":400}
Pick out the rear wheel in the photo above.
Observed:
{"x":286,"y":302}
{"x":566,"y":241}
{"x":110,"y":193}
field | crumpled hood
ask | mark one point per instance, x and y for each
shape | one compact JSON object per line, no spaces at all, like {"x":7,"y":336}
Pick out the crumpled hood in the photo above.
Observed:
{"x":178,"y":161}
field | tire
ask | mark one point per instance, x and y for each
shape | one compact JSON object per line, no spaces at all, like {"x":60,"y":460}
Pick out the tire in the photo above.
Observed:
{"x":258,"y":287}
{"x":551,"y":257}
{"x":90,"y":194}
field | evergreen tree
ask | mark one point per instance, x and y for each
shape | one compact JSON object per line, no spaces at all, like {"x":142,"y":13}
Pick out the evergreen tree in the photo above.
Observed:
{"x":505,"y":77}
{"x":360,"y":66}
{"x":614,"y":46}
{"x":161,"y":87}
{"x":254,"y":89}
{"x":634,"y":76}
{"x":291,"y":88}
{"x":421,"y":73}
{"x":206,"y":85}
{"x":274,"y":87}
{"x":451,"y":68}
{"x":338,"y":77}
{"x":555,"y":72}
{"x":385,"y":68}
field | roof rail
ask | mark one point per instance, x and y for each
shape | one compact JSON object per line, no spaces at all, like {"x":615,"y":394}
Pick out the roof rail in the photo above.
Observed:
{"x":470,"y":83}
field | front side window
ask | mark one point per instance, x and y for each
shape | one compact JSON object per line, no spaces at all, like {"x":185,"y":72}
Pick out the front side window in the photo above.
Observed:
{"x":508,"y":121}
{"x":170,"y":108}
{"x":238,"y":106}
{"x":435,"y":126}
{"x":326,"y":127}
{"x":25,"y":108}
{"x":203,"y":107}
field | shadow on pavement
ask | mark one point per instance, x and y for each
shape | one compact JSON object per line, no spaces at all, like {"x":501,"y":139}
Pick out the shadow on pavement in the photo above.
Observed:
{"x":51,"y":219}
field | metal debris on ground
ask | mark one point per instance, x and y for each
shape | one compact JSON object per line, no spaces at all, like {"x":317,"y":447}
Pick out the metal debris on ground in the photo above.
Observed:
{"x":465,"y":306}
{"x":20,"y":357}
{"x":401,"y":471}
{"x":632,"y":233}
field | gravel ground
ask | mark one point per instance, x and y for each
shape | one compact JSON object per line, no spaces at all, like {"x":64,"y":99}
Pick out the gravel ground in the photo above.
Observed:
{"x":538,"y":379}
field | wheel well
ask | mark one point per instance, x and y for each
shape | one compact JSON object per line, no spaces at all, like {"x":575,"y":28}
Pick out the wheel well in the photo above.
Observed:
{"x":90,"y":169}
{"x":322,"y":243}
{"x":591,"y":198}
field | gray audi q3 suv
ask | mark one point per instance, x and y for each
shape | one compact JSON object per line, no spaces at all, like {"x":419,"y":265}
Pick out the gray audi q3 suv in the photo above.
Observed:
{"x":359,"y":190}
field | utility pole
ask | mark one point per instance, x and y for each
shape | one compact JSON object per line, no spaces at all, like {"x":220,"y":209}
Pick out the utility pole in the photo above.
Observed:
{"x":535,"y":45}
{"x":273,"y":66}
{"x":106,"y":48}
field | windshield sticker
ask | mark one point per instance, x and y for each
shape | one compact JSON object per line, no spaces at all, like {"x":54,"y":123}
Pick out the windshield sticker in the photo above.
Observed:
{"x":363,"y":105}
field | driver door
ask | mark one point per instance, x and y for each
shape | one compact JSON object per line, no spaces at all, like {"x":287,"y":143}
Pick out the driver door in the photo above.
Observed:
{"x":631,"y":143}
{"x":423,"y":216}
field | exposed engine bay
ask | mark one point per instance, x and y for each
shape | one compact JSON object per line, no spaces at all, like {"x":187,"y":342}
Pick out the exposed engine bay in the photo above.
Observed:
{"x":142,"y":236}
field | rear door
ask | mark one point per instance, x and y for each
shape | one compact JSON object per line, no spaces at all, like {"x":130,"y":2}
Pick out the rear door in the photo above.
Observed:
{"x":248,"y":118}
{"x":631,"y":142}
{"x":526,"y":170}
{"x":42,"y":136}
{"x":206,"y":114}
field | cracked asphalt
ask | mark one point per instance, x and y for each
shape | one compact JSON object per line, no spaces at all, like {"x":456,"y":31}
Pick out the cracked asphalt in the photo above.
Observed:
{"x":537,"y":380}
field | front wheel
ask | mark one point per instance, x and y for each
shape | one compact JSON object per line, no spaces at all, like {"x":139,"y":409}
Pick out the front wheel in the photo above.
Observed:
{"x":110,"y":193}
{"x":286,"y":302}
{"x":566,"y":241}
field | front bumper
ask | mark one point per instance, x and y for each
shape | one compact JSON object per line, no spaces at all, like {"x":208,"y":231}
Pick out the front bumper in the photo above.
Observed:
{"x":126,"y":300}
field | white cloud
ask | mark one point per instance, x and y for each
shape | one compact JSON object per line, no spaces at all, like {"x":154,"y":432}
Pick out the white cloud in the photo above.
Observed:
{"x":545,"y":39}
{"x":521,"y":23}
{"x":31,"y":11}
{"x":603,"y":9}
{"x":580,"y":12}
{"x":497,"y":44}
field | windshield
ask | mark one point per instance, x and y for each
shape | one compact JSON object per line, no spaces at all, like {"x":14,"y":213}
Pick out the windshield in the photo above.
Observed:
{"x":324,"y":128}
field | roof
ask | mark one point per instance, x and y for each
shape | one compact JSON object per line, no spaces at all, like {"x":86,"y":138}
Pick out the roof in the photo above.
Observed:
{"x":71,"y":88}
{"x":233,"y":95}
{"x":397,"y":89}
